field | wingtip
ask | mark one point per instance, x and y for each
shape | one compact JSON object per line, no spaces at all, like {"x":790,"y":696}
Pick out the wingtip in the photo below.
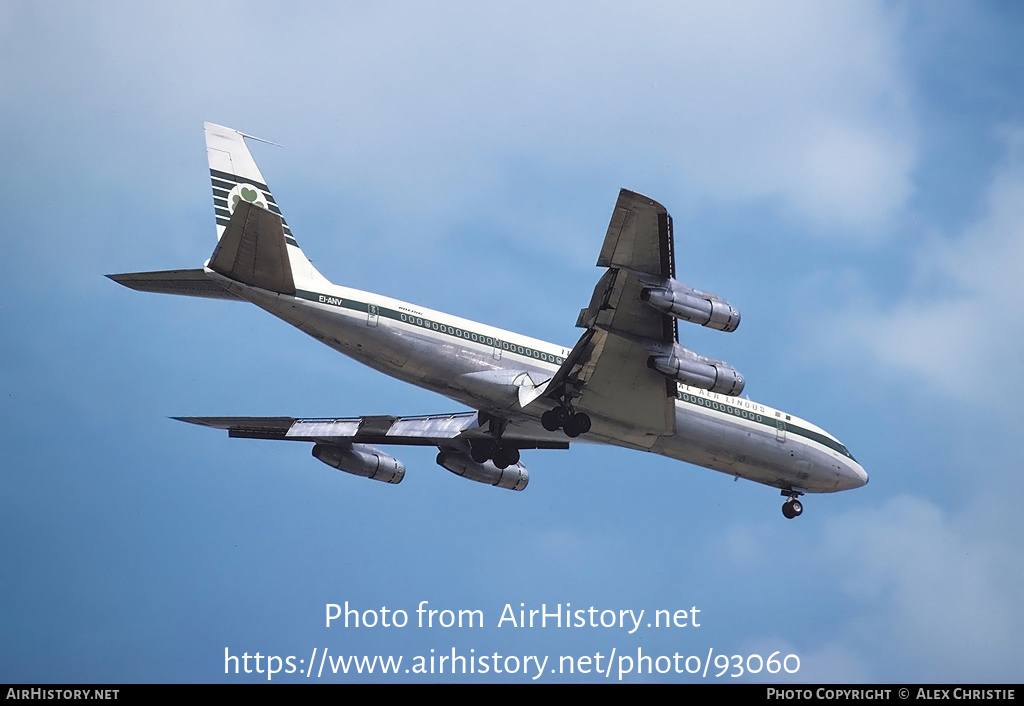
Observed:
{"x":122,"y":279}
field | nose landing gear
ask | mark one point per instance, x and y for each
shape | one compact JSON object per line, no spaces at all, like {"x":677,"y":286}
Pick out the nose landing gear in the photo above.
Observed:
{"x":792,"y":507}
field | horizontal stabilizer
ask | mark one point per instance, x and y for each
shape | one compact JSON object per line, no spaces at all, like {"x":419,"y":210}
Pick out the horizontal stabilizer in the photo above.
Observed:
{"x":253,"y":251}
{"x":189,"y":283}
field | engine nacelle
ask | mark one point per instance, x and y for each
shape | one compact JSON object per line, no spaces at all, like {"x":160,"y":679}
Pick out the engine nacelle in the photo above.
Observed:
{"x":361,"y":460}
{"x":693,"y":305}
{"x":515,"y":477}
{"x":690,"y":368}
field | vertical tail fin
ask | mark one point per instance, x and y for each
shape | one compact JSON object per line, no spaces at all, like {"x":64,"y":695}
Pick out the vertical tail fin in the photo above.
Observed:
{"x":236,"y":177}
{"x":255,"y":246}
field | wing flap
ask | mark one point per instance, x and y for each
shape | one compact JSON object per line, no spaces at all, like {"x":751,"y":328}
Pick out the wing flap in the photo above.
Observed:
{"x":618,"y":385}
{"x":246,"y":427}
{"x":431,"y":430}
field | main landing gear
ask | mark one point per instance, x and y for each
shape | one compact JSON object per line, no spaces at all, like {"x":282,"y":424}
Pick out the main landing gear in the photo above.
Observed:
{"x":792,"y":507}
{"x":564,"y":417}
{"x":490,"y":450}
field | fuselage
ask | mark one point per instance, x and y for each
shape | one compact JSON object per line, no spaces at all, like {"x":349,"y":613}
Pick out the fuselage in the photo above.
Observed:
{"x":484,"y":367}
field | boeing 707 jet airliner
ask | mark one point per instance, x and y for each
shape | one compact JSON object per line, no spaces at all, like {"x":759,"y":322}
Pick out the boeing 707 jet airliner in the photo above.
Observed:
{"x":627,"y":381}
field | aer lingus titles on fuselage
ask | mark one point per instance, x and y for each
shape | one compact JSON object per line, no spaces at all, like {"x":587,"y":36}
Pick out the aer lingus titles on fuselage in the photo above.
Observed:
{"x":627,"y":381}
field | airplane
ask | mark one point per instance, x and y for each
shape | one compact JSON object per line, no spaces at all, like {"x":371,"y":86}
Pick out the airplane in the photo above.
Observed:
{"x":626,"y":382}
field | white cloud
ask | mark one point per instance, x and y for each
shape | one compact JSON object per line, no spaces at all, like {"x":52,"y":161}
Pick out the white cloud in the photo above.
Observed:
{"x":961,"y":327}
{"x":920,"y":595}
{"x":938,"y":591}
{"x":803,"y":103}
{"x":942,"y":605}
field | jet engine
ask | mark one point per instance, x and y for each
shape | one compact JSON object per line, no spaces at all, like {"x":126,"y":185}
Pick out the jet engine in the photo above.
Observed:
{"x":690,"y":368}
{"x":361,"y":460}
{"x":693,"y":305}
{"x":515,"y":477}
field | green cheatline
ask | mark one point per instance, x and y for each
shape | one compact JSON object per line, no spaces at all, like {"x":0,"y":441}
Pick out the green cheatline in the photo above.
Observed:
{"x":419,"y":321}
{"x":765,"y":421}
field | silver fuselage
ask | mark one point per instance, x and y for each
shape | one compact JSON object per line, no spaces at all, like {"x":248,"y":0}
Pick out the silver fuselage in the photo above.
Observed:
{"x":482,"y":367}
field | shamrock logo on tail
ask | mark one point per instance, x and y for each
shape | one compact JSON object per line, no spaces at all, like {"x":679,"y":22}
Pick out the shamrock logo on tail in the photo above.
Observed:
{"x":244,"y":192}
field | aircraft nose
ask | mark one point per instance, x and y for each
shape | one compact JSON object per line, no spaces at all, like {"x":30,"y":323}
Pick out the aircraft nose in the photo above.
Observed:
{"x":854,"y":475}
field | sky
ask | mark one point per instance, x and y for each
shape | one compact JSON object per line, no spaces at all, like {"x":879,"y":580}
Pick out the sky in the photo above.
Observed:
{"x":849,"y":175}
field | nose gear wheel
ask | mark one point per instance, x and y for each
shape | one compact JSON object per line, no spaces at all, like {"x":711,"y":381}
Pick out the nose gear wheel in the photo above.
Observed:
{"x":792,"y":508}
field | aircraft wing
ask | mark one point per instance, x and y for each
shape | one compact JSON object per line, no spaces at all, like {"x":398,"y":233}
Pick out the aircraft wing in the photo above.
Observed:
{"x":638,"y":242}
{"x":606,"y":372}
{"x":441,"y":430}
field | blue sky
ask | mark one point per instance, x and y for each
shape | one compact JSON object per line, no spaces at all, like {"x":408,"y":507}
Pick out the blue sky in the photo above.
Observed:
{"x":849,"y":175}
